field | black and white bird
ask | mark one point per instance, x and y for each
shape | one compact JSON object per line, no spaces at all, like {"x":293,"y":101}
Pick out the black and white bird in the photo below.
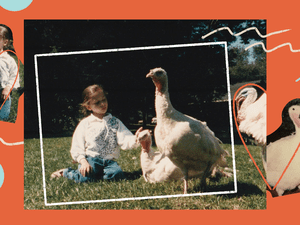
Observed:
{"x":283,"y":143}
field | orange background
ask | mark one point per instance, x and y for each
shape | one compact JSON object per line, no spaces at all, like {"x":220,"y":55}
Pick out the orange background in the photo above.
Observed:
{"x":282,"y":72}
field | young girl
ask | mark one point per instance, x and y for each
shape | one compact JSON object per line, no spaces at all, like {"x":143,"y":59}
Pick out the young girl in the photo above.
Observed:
{"x":8,"y":71}
{"x":96,"y":141}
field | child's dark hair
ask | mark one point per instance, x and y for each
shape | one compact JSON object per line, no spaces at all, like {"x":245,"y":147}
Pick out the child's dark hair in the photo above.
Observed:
{"x":86,"y":97}
{"x":6,"y":34}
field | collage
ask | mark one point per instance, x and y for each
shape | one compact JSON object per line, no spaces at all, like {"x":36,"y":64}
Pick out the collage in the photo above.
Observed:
{"x":155,"y":112}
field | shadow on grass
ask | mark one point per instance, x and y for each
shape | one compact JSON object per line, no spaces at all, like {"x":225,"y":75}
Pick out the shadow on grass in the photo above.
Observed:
{"x":133,"y":175}
{"x":243,"y":189}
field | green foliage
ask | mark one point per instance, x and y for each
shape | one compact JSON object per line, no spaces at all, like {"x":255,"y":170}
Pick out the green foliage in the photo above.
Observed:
{"x":196,"y":75}
{"x":251,"y":188}
{"x":260,"y":60}
{"x":241,"y":70}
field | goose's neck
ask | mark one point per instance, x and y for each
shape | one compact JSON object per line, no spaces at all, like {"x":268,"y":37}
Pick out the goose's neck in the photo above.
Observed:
{"x":297,"y":131}
{"x":248,"y":101}
{"x":163,"y":105}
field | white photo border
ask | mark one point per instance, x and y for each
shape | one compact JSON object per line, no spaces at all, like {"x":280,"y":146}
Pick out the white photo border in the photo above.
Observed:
{"x":36,"y":56}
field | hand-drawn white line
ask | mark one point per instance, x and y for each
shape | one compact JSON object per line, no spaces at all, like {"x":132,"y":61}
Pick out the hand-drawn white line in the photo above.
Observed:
{"x":11,"y":144}
{"x":279,"y":46}
{"x":250,"y":28}
{"x":298,"y":79}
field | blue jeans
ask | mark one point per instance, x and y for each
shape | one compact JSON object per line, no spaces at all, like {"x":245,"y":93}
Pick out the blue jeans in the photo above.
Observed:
{"x":5,"y":110}
{"x":102,"y":169}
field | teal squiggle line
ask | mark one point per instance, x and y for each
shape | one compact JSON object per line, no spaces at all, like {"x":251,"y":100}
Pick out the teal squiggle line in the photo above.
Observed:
{"x":1,"y":176}
{"x":15,"y":5}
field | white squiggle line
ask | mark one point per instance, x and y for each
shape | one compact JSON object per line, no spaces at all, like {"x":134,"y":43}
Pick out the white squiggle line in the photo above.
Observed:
{"x":279,"y":46}
{"x":11,"y":144}
{"x":298,"y":79}
{"x":250,"y":28}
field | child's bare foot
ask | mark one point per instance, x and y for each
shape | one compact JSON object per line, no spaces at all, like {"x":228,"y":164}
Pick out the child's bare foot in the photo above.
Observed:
{"x":58,"y":173}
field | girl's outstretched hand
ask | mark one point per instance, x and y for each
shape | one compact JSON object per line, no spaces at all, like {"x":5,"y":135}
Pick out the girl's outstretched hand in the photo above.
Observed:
{"x":85,"y":168}
{"x":5,"y":93}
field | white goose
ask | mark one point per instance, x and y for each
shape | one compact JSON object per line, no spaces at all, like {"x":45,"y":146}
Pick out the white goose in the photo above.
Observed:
{"x":155,"y":166}
{"x":251,"y":116}
{"x":186,"y":141}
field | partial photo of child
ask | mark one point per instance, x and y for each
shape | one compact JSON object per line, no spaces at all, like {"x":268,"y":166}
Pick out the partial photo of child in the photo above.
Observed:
{"x":9,"y":76}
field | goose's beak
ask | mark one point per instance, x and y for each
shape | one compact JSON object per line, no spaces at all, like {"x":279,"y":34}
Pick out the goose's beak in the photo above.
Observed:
{"x":150,"y":74}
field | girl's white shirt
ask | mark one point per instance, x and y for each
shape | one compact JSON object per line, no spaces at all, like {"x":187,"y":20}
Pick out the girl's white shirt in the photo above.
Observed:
{"x":8,"y":71}
{"x":101,"y":138}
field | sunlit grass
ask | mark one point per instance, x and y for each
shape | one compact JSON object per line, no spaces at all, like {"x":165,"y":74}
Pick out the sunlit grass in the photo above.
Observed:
{"x":251,"y":187}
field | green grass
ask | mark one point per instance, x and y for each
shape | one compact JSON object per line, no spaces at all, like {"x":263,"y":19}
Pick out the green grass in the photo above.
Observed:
{"x":251,"y":187}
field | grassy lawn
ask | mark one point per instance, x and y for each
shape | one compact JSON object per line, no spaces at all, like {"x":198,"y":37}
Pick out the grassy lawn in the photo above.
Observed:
{"x":251,"y":187}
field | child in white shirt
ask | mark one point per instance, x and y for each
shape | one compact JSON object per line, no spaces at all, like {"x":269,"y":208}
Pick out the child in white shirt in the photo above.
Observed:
{"x":97,"y":141}
{"x":8,"y":71}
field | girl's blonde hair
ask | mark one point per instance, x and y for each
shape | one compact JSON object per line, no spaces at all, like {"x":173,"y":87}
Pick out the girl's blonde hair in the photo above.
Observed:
{"x":86,"y":97}
{"x":6,"y":34}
